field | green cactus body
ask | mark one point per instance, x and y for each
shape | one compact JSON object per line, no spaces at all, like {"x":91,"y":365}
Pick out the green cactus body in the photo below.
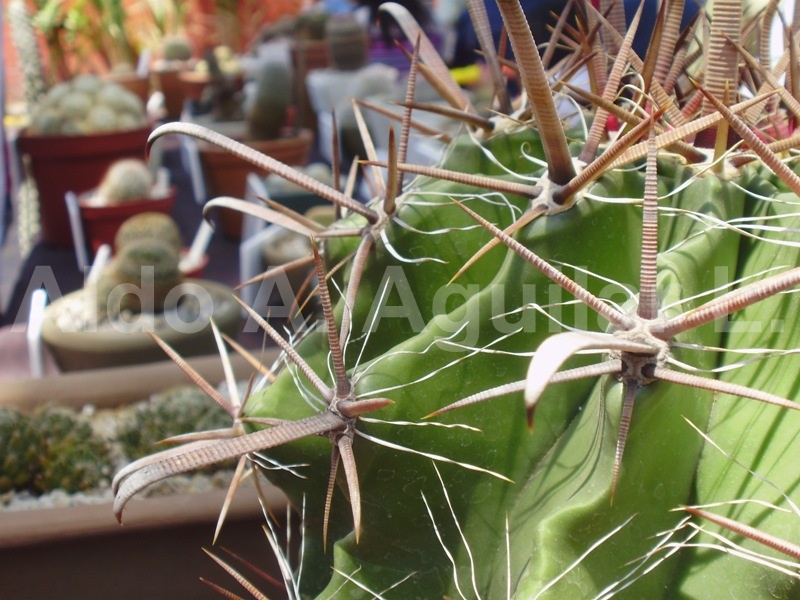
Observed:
{"x":148,"y":265}
{"x":87,"y":105}
{"x":149,"y":225}
{"x":176,"y":48}
{"x":348,"y":42}
{"x":52,"y":449}
{"x":125,"y":180}
{"x":268,"y":114}
{"x":73,"y":458}
{"x":21,"y":445}
{"x":568,"y":412}
{"x":469,"y":503}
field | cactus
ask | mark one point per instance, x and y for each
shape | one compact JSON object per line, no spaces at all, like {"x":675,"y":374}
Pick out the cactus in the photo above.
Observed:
{"x":310,"y":24}
{"x":150,"y":266}
{"x":21,"y":446}
{"x":51,"y":449}
{"x":176,"y":48}
{"x":125,"y":180}
{"x":173,"y":412}
{"x":268,"y":115}
{"x":86,"y":105}
{"x":149,"y":226}
{"x":72,"y":457}
{"x":632,"y":260}
{"x":27,"y":47}
{"x":348,"y":42}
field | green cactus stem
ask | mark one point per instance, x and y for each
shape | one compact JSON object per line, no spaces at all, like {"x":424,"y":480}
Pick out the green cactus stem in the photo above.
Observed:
{"x":268,"y":115}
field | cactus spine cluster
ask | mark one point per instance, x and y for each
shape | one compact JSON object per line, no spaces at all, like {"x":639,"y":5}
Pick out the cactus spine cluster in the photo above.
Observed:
{"x":423,"y":376}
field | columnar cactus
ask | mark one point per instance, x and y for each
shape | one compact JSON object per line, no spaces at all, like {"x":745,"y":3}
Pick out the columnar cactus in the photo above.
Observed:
{"x":29,"y":58}
{"x":269,"y":112}
{"x":540,"y":352}
{"x":348,"y":42}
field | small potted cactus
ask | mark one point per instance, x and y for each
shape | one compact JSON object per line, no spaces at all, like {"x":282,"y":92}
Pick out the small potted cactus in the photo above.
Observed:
{"x":127,"y":188}
{"x":176,"y":58}
{"x":141,"y":290}
{"x":268,"y":127}
{"x":77,"y":131}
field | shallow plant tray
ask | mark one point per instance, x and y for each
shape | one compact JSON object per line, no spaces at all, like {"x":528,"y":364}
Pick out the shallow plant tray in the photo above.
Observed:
{"x":26,"y":527}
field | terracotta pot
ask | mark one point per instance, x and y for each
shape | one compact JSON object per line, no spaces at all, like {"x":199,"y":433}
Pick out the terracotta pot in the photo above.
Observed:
{"x":63,"y":163}
{"x":226,"y":174}
{"x":170,"y":84}
{"x":101,"y":223}
{"x":113,"y":346}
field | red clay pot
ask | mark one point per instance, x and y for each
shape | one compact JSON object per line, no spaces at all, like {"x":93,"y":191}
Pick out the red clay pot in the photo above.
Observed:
{"x":226,"y":174}
{"x":63,"y":163}
{"x":101,"y":223}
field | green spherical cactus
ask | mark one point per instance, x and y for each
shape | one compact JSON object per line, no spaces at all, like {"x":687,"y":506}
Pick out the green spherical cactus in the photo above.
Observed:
{"x":151,"y":267}
{"x":87,"y":105}
{"x":176,"y":48}
{"x":172,"y":412}
{"x":21,"y":449}
{"x":72,"y":458}
{"x":149,"y":225}
{"x":125,"y":180}
{"x":268,"y":114}
{"x":348,"y":42}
